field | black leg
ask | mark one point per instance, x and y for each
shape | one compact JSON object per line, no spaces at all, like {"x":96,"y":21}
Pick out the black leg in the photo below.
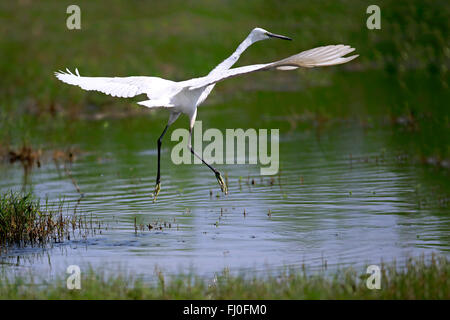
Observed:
{"x":219,"y":178}
{"x":158,"y":174}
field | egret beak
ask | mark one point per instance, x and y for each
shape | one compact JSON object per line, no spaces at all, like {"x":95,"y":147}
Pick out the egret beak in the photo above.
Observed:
{"x":273,"y":35}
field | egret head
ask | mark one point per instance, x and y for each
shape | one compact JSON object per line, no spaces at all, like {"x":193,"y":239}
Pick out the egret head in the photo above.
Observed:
{"x":259,"y":34}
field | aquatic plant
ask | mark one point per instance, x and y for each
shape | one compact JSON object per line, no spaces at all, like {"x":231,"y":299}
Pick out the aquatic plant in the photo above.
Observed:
{"x":23,"y":221}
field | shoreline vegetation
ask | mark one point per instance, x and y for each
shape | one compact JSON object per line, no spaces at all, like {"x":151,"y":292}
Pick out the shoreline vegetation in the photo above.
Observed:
{"x":420,"y":278}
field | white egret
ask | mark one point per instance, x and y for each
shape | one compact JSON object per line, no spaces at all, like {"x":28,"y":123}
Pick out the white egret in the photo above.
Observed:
{"x":185,"y":96}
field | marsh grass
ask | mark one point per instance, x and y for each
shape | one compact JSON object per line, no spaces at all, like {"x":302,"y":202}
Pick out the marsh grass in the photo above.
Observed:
{"x":400,"y":78}
{"x":420,"y":278}
{"x":25,"y":222}
{"x":412,"y":37}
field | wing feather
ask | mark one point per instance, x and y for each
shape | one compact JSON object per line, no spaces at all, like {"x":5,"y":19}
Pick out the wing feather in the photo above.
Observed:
{"x":317,"y":57}
{"x":124,"y":87}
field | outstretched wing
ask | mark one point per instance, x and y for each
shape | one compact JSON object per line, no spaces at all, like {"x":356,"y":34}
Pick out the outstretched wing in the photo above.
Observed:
{"x":317,"y":57}
{"x":125,"y":87}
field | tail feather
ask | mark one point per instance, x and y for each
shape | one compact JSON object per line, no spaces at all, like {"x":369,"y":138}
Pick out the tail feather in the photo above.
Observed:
{"x":156,"y":103}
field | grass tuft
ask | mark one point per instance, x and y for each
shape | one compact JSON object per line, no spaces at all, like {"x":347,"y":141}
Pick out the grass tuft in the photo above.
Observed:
{"x":23,"y":221}
{"x":420,"y":279}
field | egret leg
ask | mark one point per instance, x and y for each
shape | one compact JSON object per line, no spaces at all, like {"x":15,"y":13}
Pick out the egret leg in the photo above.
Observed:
{"x":158,"y":174}
{"x":219,"y":178}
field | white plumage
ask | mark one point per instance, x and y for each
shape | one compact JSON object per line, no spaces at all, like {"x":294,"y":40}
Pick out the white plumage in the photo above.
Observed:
{"x":125,"y":87}
{"x":317,"y":57}
{"x":186,"y":96}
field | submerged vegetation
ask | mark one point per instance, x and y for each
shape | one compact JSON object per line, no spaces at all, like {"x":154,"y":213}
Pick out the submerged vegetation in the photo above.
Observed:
{"x":419,"y":279}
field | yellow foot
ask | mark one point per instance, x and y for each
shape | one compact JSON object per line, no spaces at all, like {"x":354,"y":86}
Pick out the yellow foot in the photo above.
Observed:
{"x":222,"y":184}
{"x":156,"y":192}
